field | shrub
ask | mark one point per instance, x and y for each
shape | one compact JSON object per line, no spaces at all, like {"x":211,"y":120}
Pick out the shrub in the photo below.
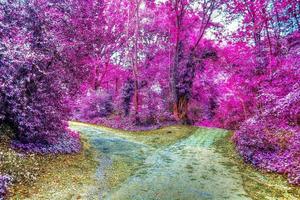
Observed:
{"x":35,"y":69}
{"x":4,"y":183}
{"x":94,"y":105}
{"x":270,"y":140}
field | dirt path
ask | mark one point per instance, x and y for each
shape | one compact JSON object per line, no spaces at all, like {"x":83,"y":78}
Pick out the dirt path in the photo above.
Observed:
{"x":177,"y":162}
{"x":188,"y":169}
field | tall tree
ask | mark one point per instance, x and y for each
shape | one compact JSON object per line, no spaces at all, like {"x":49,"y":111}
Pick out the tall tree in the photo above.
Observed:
{"x":190,"y":20}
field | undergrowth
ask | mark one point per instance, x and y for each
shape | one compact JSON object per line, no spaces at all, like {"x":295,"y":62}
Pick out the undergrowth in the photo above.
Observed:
{"x":258,"y":184}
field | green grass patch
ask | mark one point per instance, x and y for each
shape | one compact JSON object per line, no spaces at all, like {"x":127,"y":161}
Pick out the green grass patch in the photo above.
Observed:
{"x":40,"y":176}
{"x":258,"y":184}
{"x":163,"y":136}
{"x":120,"y":170}
{"x":156,"y":138}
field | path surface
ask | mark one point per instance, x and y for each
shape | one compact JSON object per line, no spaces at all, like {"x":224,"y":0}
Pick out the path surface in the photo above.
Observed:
{"x":187,"y":169}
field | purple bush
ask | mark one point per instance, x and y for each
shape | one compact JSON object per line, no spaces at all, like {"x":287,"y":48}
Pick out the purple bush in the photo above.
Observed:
{"x":35,"y":69}
{"x":270,"y":140}
{"x":5,"y":180}
{"x":68,"y":142}
{"x":93,"y":105}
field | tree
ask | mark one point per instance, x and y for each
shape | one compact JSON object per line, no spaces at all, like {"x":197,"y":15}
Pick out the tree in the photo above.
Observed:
{"x":184,"y":15}
{"x":36,"y":65}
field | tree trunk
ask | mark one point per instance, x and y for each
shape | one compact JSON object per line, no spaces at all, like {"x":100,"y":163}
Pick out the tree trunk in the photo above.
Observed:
{"x":135,"y":61}
{"x":182,"y":98}
{"x":181,"y":109}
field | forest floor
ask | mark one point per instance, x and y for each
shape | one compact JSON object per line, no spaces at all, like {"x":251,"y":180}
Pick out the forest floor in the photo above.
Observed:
{"x":177,"y":162}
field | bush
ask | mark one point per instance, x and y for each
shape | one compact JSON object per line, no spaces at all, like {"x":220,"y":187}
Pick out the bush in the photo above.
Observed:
{"x":270,"y":140}
{"x":35,"y":70}
{"x":4,"y":183}
{"x":94,"y":105}
{"x":68,"y":142}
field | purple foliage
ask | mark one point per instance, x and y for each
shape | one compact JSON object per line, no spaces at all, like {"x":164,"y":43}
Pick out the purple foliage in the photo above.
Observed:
{"x":68,"y":142}
{"x":127,"y":94}
{"x":270,"y":140}
{"x":93,"y":105}
{"x":36,"y":68}
{"x":4,"y":183}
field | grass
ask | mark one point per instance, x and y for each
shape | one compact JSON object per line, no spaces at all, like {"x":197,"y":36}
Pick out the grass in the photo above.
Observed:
{"x":119,"y":172}
{"x":123,"y":167}
{"x":155,"y":138}
{"x":258,"y":184}
{"x":72,"y":176}
{"x":40,"y":176}
{"x":164,"y":136}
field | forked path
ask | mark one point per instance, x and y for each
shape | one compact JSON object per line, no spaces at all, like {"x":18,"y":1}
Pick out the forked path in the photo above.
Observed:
{"x":190,"y":168}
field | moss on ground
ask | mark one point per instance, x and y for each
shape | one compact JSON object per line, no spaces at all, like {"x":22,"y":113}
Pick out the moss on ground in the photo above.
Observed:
{"x":24,"y":169}
{"x":258,"y":184}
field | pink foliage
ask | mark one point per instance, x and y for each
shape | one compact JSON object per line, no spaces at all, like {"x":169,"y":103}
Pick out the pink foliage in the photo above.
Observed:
{"x":246,"y":81}
{"x":140,"y":65}
{"x":37,"y":63}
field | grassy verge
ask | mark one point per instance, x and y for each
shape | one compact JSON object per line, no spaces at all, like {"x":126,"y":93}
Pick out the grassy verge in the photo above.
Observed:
{"x":259,"y":185}
{"x":122,"y":168}
{"x":156,"y":138}
{"x":39,"y":177}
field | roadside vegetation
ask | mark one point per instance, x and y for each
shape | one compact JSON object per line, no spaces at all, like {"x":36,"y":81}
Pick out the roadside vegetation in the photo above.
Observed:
{"x":74,"y":176}
{"x":63,"y":176}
